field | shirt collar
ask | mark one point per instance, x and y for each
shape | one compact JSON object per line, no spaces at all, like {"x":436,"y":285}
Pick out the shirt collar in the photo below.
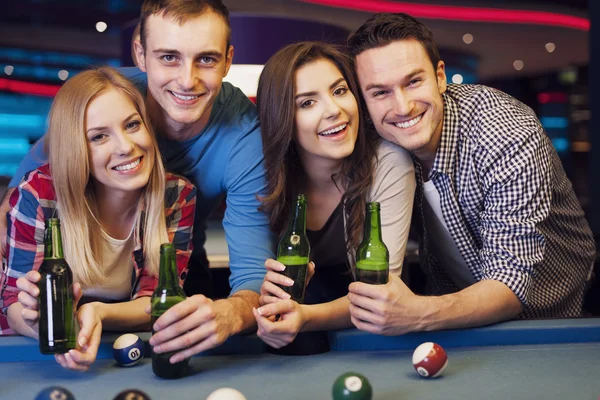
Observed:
{"x":446,"y":153}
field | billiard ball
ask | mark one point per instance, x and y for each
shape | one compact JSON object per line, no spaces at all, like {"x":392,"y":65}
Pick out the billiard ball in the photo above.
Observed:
{"x":430,"y":360}
{"x":352,"y":386}
{"x":132,"y":394}
{"x":55,"y":393}
{"x":226,"y":394}
{"x":128,"y":350}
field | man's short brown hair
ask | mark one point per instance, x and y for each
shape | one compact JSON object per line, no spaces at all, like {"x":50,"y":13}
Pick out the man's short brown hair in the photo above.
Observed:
{"x":181,"y":11}
{"x":384,"y":28}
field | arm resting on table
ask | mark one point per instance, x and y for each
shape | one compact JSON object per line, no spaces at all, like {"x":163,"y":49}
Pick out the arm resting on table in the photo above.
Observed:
{"x":238,"y":311}
{"x":126,"y":316}
{"x":483,"y":303}
{"x":327,"y":316}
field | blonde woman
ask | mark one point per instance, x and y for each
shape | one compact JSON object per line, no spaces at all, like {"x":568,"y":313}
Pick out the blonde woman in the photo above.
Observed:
{"x":106,"y":182}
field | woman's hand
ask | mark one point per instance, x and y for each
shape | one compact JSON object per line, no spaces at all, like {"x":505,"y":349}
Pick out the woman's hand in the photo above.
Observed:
{"x":28,"y":298}
{"x":281,"y":332}
{"x":269,"y":291}
{"x":88,"y":339}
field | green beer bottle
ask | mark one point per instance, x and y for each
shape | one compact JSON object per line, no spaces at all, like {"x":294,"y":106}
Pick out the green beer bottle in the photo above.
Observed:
{"x":167,"y":294}
{"x":57,"y":316}
{"x":293,"y":251}
{"x":372,"y":257}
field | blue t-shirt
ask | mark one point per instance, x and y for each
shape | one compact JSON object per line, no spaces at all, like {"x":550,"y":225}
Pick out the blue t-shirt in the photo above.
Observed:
{"x":225,"y":158}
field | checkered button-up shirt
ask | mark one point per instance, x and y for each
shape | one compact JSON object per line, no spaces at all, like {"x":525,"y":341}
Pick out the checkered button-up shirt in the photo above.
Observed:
{"x":34,"y":201}
{"x":508,"y":204}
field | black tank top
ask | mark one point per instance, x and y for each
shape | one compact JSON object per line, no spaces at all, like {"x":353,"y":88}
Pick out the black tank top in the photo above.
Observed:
{"x":328,"y":252}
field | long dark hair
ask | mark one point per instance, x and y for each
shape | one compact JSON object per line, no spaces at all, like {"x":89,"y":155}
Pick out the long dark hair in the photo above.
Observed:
{"x":277,"y":109}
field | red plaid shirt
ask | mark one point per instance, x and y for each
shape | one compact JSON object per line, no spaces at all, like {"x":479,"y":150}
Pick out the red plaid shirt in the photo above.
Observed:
{"x":34,"y":201}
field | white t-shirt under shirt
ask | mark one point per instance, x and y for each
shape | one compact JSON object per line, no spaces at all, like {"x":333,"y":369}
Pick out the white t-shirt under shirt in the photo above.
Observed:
{"x":441,"y":243}
{"x":117,"y":263}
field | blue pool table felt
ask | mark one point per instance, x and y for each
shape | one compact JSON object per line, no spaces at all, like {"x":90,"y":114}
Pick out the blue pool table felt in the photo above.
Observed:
{"x":514,"y":360}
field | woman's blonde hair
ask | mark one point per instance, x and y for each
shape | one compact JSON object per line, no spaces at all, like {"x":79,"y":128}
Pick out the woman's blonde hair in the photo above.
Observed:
{"x":70,"y":168}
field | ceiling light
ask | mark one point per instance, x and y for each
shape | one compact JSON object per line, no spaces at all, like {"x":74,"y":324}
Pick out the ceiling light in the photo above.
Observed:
{"x":8,"y":70}
{"x":550,"y":47}
{"x":101,"y":26}
{"x":468,"y":38}
{"x":63,"y":74}
{"x":568,"y":76}
{"x":518,"y":64}
{"x":457,"y":78}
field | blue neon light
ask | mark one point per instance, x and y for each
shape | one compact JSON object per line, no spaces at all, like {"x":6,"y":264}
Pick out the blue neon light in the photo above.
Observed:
{"x":17,"y":121}
{"x":12,"y":146}
{"x":8,"y":169}
{"x":47,"y":57}
{"x":554,"y":122}
{"x":560,"y":144}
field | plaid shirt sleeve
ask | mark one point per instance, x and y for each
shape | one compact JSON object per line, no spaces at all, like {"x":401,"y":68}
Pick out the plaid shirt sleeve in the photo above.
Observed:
{"x":30,"y":204}
{"x":508,"y":205}
{"x":180,"y":209}
{"x":518,"y":199}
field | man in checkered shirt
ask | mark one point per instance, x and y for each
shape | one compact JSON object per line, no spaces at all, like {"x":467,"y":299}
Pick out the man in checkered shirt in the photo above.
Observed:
{"x":502,"y":233}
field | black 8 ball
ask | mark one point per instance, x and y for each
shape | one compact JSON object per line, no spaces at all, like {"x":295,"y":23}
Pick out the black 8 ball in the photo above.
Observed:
{"x":132,"y":394}
{"x":55,"y":393}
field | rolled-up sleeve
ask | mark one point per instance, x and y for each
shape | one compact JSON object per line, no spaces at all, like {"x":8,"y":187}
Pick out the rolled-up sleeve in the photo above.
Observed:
{"x":517,"y":200}
{"x":249,"y":239}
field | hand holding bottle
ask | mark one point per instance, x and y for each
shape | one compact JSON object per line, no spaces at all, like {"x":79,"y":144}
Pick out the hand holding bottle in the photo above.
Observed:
{"x":28,"y":298}
{"x":88,"y":339}
{"x":270,"y":290}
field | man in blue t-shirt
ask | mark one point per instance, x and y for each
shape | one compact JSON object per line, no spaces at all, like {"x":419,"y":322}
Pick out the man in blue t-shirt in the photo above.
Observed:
{"x":208,"y":131}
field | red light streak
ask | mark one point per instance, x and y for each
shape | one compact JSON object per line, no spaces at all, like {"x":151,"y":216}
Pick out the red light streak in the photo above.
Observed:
{"x":461,"y":13}
{"x":37,"y":89}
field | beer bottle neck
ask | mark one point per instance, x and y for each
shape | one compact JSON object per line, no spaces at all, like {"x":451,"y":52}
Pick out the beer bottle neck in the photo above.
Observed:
{"x":298,"y":220}
{"x":373,"y":226}
{"x":167,"y":276}
{"x":53,"y":242}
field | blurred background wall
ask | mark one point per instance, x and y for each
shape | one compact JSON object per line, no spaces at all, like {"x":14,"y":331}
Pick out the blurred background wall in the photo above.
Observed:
{"x":537,"y":51}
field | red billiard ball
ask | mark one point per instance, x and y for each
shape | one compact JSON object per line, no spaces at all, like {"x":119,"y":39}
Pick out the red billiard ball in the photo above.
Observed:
{"x":430,"y":360}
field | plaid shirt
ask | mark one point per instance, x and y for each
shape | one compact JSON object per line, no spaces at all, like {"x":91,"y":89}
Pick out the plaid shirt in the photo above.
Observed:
{"x":34,"y":201}
{"x":508,"y":204}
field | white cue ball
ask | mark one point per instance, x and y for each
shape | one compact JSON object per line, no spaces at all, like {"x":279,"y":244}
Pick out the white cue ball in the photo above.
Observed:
{"x":226,"y":394}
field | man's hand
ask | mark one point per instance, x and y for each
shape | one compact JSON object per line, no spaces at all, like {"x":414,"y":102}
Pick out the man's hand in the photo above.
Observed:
{"x":283,"y":331}
{"x":4,"y":208}
{"x":192,"y":326}
{"x":390,"y":309}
